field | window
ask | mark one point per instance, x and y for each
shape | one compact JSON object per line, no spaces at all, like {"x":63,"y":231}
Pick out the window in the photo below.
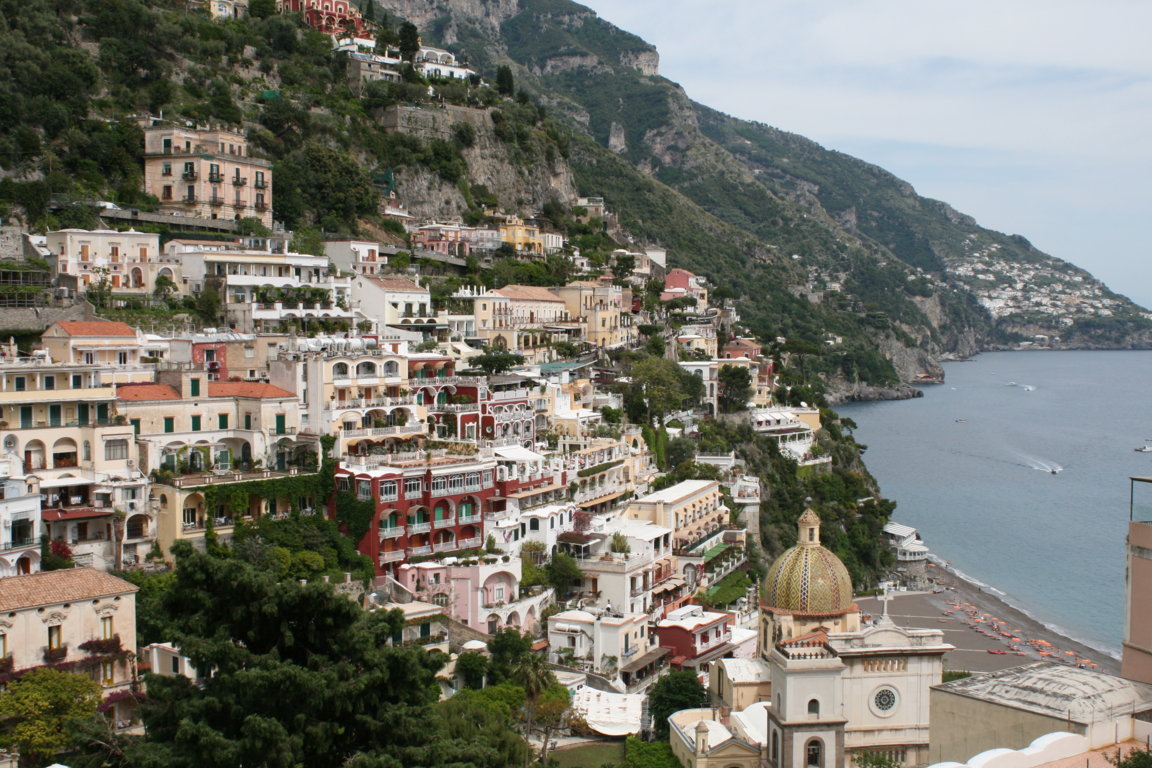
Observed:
{"x":455,"y":483}
{"x":115,"y":450}
{"x":194,"y":386}
{"x":388,"y":490}
{"x":135,"y":426}
{"x":534,"y":524}
{"x":189,"y":517}
{"x":499,"y":594}
{"x":20,"y":383}
{"x":195,"y":423}
{"x":49,"y":382}
{"x":885,"y":699}
{"x":77,"y":381}
{"x":54,"y":635}
{"x":364,"y":489}
{"x":106,"y":668}
{"x":439,"y":484}
{"x":815,"y":753}
{"x":248,"y":420}
{"x":412,"y":487}
{"x":222,"y":421}
{"x":473,"y":481}
{"x":3,"y":645}
{"x":175,"y":665}
{"x":106,"y":628}
{"x":813,"y":708}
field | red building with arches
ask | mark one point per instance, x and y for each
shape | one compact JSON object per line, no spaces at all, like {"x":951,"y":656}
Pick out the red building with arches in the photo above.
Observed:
{"x":332,"y":17}
{"x":425,"y":503}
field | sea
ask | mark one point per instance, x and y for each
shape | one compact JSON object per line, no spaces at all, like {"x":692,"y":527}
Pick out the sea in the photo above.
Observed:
{"x":1016,"y":471}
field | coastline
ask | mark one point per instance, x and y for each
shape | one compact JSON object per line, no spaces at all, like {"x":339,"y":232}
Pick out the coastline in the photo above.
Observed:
{"x":975,"y":620}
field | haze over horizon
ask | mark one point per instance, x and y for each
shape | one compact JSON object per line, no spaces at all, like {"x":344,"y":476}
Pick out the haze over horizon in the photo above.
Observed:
{"x":1031,"y":117}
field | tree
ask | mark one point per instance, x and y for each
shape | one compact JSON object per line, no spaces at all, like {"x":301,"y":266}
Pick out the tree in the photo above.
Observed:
{"x":261,"y":9}
{"x":622,"y":266}
{"x":472,"y":666}
{"x":659,"y":381}
{"x":880,"y":760}
{"x":735,"y":388}
{"x":679,"y":689}
{"x":313,"y":676}
{"x":507,"y":647}
{"x":505,"y":84}
{"x":680,"y":450}
{"x":494,"y":361}
{"x":409,"y":41}
{"x":38,"y":708}
{"x":163,"y":287}
{"x":563,"y":573}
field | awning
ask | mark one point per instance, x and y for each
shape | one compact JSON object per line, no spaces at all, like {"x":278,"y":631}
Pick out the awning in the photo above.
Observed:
{"x":517,"y":453}
{"x":600,"y":499}
{"x":667,"y":586}
{"x":645,"y":659}
{"x":64,"y":482}
{"x":81,"y":513}
{"x":715,"y":552}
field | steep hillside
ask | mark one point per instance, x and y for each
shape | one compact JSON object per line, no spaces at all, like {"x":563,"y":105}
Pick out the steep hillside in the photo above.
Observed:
{"x":863,"y":239}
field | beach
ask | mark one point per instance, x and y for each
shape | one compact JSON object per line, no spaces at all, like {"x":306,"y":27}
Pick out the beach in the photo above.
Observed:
{"x":977,"y":621}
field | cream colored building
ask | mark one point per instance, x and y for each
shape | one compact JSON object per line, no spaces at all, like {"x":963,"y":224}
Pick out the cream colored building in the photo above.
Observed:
{"x":79,"y":457}
{"x":115,"y":348}
{"x":603,"y":310}
{"x":130,"y":262}
{"x":206,"y":173}
{"x":77,"y":615}
{"x":693,"y":509}
{"x":187,"y":423}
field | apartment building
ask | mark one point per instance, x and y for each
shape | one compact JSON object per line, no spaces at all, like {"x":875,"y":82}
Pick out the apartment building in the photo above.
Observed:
{"x":127,"y":263}
{"x":603,"y":310}
{"x":207,"y":173}
{"x":695,"y":636}
{"x":19,"y":520}
{"x":79,"y":455}
{"x":116,"y":349}
{"x":76,"y":615}
{"x":427,"y":502}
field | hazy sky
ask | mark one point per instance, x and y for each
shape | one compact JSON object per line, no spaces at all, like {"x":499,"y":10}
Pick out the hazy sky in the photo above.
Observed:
{"x":1033,"y":117}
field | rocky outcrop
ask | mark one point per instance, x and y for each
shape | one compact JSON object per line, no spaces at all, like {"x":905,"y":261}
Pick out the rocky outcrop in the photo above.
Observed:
{"x":844,"y":392}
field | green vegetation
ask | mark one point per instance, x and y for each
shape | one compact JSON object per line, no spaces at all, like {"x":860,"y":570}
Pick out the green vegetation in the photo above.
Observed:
{"x":38,"y":712}
{"x":677,"y":690}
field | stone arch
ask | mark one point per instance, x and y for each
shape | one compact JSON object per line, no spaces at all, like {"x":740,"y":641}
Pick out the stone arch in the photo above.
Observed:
{"x":136,"y":527}
{"x":340,"y":370}
{"x":814,"y":753}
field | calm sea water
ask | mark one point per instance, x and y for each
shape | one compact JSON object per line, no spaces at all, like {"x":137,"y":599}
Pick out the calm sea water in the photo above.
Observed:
{"x":970,"y":466}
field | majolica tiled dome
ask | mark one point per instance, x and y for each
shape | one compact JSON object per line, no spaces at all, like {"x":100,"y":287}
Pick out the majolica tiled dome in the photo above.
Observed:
{"x":808,"y":579}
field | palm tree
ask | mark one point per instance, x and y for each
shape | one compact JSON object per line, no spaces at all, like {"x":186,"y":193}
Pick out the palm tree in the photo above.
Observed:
{"x":531,"y":673}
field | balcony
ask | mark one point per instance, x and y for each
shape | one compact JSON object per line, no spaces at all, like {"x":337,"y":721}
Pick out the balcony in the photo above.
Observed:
{"x":435,"y":381}
{"x":444,"y":523}
{"x":189,"y":198}
{"x":455,"y":407}
{"x":394,"y":556}
{"x":419,"y":551}
{"x":215,"y":200}
{"x":215,"y":178}
{"x":260,"y":184}
{"x":239,"y":181}
{"x":414,"y":528}
{"x":55,"y":655}
{"x":261,"y":206}
{"x":472,"y":543}
{"x":239,"y":203}
{"x":17,"y":543}
{"x":392,"y":533}
{"x":382,"y":431}
{"x":189,"y":175}
{"x":468,"y":519}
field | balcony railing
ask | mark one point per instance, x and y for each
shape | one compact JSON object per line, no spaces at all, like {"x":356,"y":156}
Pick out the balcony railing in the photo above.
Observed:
{"x":261,"y":206}
{"x":215,"y":200}
{"x":418,"y":551}
{"x":467,"y":519}
{"x":393,"y":556}
{"x":239,"y":181}
{"x":472,"y":543}
{"x":260,"y":184}
{"x":16,"y":543}
{"x":392,"y":533}
{"x":419,"y":527}
{"x":189,"y":175}
{"x":215,"y":178}
{"x":447,"y":522}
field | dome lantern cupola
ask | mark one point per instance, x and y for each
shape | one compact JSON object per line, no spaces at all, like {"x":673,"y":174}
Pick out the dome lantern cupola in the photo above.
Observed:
{"x":808,"y":579}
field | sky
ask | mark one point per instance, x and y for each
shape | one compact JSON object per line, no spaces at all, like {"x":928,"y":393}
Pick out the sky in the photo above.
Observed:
{"x":1033,"y":117}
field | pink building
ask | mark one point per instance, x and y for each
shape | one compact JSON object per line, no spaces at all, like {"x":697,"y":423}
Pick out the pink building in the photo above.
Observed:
{"x":483,"y":593}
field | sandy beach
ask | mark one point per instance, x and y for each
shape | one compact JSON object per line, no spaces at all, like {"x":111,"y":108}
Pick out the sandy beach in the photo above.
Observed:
{"x":976,"y":622}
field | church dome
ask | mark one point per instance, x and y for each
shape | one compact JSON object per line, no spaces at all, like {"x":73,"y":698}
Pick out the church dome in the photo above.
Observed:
{"x":808,"y":579}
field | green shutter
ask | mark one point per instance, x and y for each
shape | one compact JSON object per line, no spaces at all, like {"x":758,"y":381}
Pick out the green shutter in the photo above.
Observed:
{"x":169,"y":424}
{"x":195,"y":387}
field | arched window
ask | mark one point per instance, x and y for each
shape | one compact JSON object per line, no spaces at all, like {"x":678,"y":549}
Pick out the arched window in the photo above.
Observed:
{"x":340,"y":371}
{"x":813,"y":708}
{"x":814,"y":753}
{"x":775,"y":746}
{"x":86,"y":454}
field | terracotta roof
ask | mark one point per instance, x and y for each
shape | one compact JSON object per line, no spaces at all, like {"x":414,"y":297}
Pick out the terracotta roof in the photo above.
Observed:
{"x":82,"y":513}
{"x":528,"y":292}
{"x":815,"y":637}
{"x":246,"y":389}
{"x":63,"y":586}
{"x":397,"y":284}
{"x":131,"y":392}
{"x":95,"y":328}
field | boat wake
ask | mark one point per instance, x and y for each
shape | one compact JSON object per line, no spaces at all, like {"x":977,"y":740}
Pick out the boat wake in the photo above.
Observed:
{"x":1042,"y":465}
